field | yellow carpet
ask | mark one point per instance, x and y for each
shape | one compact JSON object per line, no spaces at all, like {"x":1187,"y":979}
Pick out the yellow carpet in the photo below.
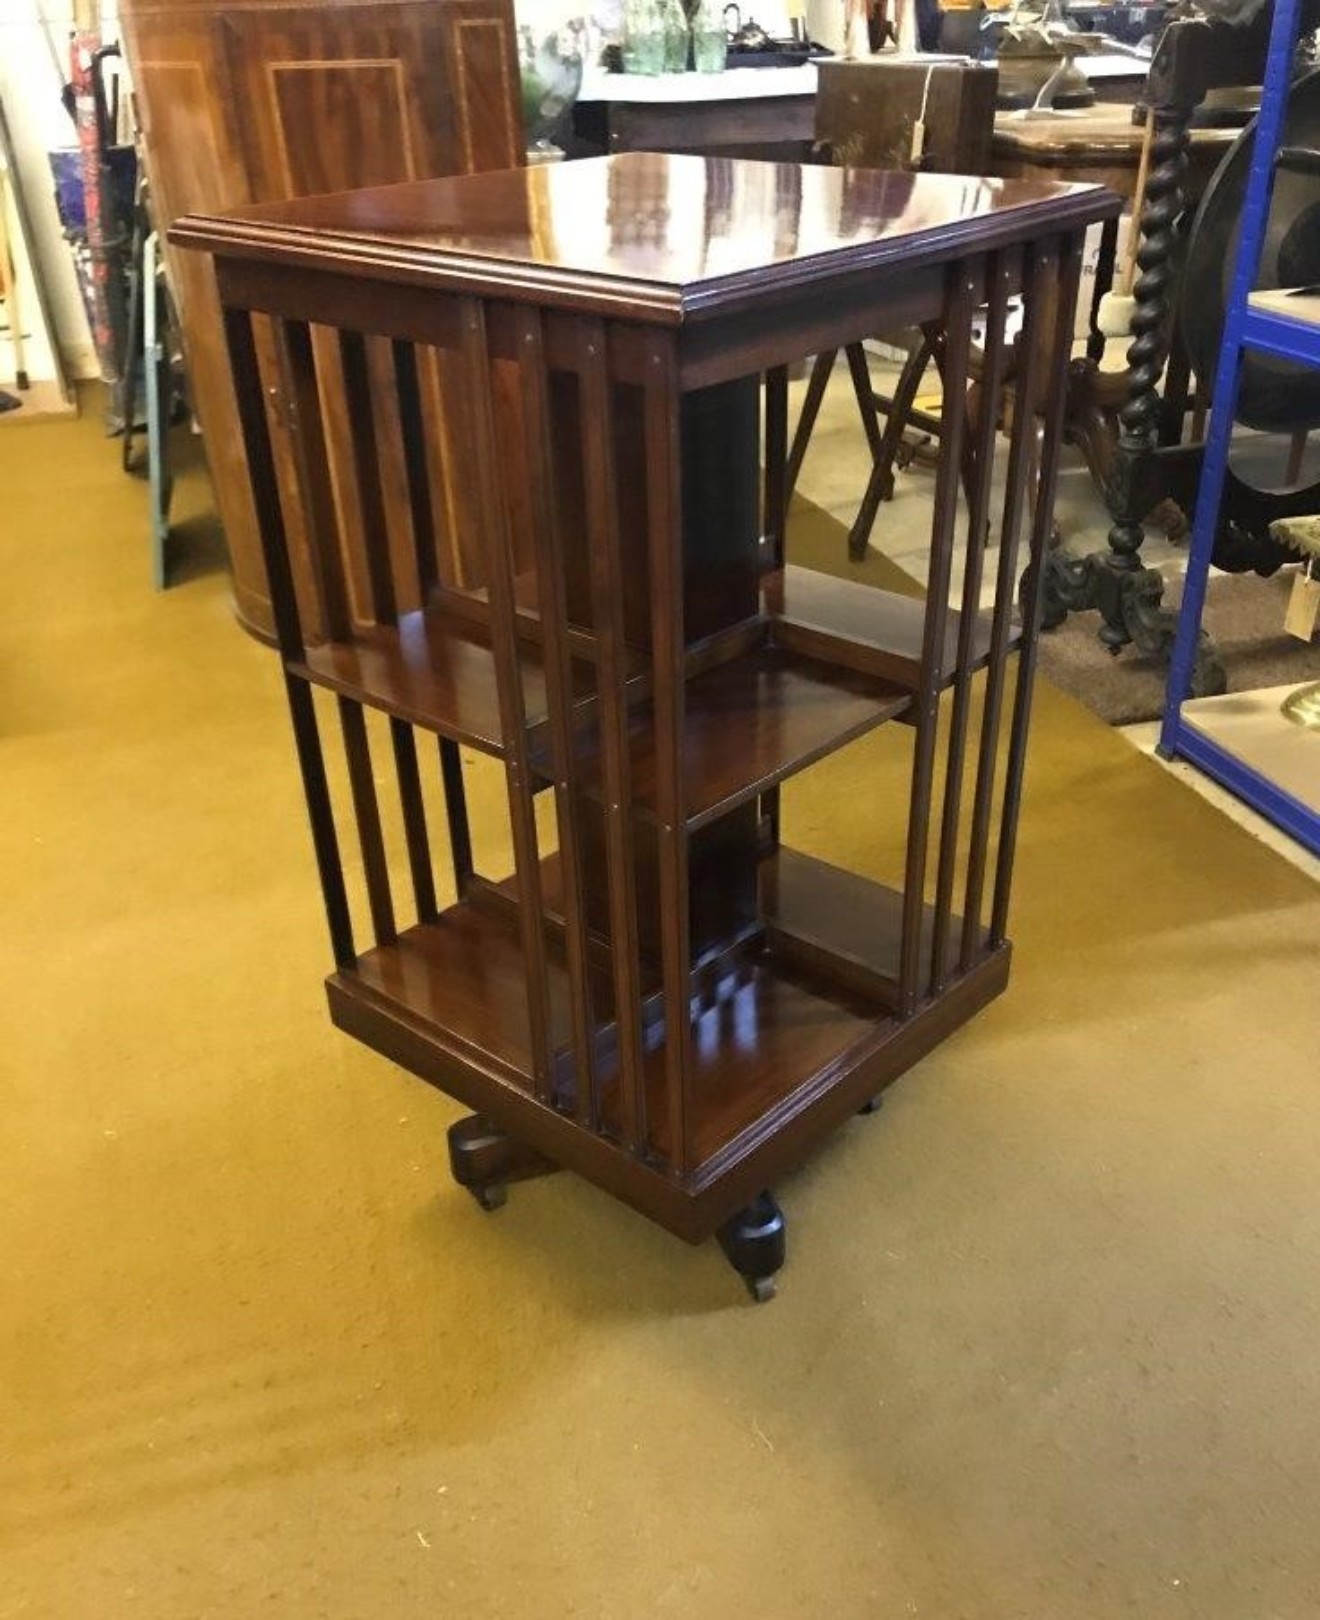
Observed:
{"x":1045,"y":1346}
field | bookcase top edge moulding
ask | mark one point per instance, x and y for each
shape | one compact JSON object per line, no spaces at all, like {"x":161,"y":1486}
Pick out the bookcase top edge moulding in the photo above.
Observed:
{"x":517,"y":443}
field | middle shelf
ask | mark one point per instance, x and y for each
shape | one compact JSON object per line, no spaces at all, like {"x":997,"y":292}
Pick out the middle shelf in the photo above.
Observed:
{"x":748,"y":724}
{"x":833,"y":660}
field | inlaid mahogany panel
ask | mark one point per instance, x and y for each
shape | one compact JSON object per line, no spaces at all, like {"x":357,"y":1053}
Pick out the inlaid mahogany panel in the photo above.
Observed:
{"x":260,"y":102}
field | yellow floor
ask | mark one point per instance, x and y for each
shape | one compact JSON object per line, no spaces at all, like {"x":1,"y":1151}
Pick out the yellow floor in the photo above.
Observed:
{"x":1045,"y":1346}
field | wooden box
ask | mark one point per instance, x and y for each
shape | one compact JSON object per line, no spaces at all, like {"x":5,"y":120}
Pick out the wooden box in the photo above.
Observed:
{"x":866,"y":112}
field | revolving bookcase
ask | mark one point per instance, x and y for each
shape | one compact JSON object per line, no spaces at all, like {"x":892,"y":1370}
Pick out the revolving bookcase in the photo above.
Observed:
{"x":585,"y":581}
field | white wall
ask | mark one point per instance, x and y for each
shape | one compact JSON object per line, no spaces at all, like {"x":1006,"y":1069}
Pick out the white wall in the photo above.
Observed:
{"x":30,"y":88}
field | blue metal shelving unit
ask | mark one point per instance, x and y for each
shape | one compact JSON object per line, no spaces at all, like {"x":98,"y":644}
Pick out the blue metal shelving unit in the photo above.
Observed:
{"x":1288,"y":338}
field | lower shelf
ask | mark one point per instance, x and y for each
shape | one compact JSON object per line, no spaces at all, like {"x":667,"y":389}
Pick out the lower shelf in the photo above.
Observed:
{"x":779,"y":1062}
{"x":822,"y":918}
{"x":815,"y":982}
{"x":755,"y":1039}
{"x":463,"y":976}
{"x":760,"y":1039}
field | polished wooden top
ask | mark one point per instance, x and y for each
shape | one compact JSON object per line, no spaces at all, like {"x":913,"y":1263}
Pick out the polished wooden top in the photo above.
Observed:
{"x":657,"y":237}
{"x":1085,"y":135}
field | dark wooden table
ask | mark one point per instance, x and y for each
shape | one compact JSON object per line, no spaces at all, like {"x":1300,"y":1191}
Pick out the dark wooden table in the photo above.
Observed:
{"x":669,"y":1000}
{"x":1100,"y":144}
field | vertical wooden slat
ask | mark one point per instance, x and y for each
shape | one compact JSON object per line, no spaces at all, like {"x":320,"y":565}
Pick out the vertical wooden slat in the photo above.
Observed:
{"x":607,"y":617}
{"x":414,"y":818}
{"x":774,"y":500}
{"x":492,"y":524}
{"x":293,"y":343}
{"x":367,"y":813}
{"x":553,"y":603}
{"x":960,"y":302}
{"x":456,"y":813}
{"x":998,"y":277}
{"x":1056,"y":382}
{"x":433,"y":367}
{"x":409,"y":392}
{"x":366,"y":466}
{"x":664,"y":520}
{"x":774,"y":503}
{"x":1017,"y":485}
{"x":284,"y":606}
{"x":394,"y":484}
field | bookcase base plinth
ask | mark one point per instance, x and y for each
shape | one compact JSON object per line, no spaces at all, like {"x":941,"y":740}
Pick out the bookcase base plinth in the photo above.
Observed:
{"x":692,"y":1208}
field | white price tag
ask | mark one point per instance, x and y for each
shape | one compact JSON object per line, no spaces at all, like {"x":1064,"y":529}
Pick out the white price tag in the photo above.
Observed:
{"x":1303,"y":607}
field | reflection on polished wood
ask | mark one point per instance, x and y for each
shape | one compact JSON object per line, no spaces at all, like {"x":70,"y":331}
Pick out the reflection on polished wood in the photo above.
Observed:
{"x":645,"y":234}
{"x":662,"y":995}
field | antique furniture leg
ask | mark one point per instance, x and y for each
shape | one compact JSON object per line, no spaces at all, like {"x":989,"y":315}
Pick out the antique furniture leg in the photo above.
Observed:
{"x":884,"y":446}
{"x":1104,"y":280}
{"x":753,"y":1241}
{"x":1296,"y":451}
{"x":880,"y":485}
{"x":1128,"y":596}
{"x":484,"y":1160}
{"x":867,"y":401}
{"x":816,"y":384}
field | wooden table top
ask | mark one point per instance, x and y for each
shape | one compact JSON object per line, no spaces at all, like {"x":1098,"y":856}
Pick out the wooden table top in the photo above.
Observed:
{"x":1104,"y":133}
{"x":656,"y":237}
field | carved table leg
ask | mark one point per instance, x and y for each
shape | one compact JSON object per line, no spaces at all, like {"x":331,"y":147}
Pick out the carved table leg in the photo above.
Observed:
{"x":753,"y":1241}
{"x":1128,"y":596}
{"x":484,"y":1160}
{"x":1148,"y":624}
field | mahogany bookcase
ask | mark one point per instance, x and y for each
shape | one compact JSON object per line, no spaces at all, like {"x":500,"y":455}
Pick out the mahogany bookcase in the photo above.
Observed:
{"x":662,"y":995}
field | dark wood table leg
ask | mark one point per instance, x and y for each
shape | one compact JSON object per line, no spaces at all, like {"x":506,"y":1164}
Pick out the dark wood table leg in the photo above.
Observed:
{"x":880,"y":485}
{"x":816,"y":384}
{"x":1128,"y":596}
{"x":1104,"y":281}
{"x":866,"y":401}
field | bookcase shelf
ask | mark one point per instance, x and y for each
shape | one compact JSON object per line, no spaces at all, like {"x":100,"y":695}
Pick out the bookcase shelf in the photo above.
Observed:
{"x":662,"y":996}
{"x":431,"y":668}
{"x":750,"y":723}
{"x":876,"y":632}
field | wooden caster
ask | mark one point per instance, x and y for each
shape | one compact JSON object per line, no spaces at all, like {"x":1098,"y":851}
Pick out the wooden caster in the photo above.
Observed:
{"x":484,"y":1159}
{"x":753,"y":1241}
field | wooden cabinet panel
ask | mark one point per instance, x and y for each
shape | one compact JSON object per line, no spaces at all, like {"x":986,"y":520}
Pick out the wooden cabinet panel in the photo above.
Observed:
{"x":258,"y":102}
{"x":485,"y":84}
{"x":195,"y":163}
{"x":326,"y":99}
